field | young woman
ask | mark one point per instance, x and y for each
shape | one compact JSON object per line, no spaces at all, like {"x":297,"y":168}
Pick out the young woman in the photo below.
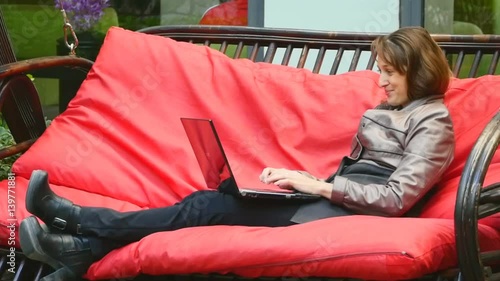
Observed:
{"x":399,"y":153}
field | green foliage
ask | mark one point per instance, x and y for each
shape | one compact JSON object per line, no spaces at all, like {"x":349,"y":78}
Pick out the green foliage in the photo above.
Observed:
{"x":7,"y":140}
{"x":478,"y":12}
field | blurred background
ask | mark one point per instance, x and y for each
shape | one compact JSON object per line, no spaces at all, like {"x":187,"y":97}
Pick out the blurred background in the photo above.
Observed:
{"x":35,"y":26}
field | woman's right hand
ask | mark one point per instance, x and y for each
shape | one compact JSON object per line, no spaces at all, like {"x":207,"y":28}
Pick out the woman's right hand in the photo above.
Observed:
{"x":296,"y":180}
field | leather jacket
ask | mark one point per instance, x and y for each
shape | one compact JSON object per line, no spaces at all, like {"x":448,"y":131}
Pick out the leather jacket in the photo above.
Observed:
{"x":416,"y":142}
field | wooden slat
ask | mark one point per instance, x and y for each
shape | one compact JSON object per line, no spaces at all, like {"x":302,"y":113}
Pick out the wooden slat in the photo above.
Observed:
{"x":287,"y":55}
{"x":255,"y":50}
{"x":371,"y":62}
{"x":239,"y":49}
{"x":319,"y":60}
{"x":355,"y":59}
{"x":303,"y":57}
{"x":475,"y":64}
{"x":493,"y":63}
{"x":490,"y":196}
{"x":270,"y":53}
{"x":336,"y":62}
{"x":7,"y":54}
{"x":458,"y":64}
{"x":490,"y":257}
{"x":223,"y":47}
{"x":488,"y":209}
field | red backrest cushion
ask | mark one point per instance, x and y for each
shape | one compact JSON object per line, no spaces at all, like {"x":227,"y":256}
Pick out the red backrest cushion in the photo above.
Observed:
{"x":472,"y":104}
{"x":121,"y":135}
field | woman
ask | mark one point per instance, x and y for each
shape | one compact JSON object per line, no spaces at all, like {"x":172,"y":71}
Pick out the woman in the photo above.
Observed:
{"x":399,"y":153}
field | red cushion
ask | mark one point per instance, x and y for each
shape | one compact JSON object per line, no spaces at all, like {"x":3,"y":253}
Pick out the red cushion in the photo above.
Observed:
{"x":123,"y":135}
{"x":234,"y":12}
{"x":387,"y":249}
{"x":121,"y":138}
{"x":472,"y":104}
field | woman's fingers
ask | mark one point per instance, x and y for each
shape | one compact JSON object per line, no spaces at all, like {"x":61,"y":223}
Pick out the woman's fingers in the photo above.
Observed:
{"x":265,"y":174}
{"x":271,"y":175}
{"x":284,"y":184}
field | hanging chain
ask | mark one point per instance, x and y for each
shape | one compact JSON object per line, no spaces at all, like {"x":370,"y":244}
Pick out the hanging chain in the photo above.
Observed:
{"x":69,"y":29}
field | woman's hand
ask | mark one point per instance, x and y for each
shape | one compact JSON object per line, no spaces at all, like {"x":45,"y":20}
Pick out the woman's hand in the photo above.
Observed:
{"x":296,"y":180}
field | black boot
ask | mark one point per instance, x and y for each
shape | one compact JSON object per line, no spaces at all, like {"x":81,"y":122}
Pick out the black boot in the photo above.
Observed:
{"x":69,"y":255}
{"x":57,"y":213}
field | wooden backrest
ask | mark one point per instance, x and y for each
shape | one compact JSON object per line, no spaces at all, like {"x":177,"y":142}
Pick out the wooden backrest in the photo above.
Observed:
{"x":6,"y":49}
{"x":19,"y":100}
{"x":329,"y":52}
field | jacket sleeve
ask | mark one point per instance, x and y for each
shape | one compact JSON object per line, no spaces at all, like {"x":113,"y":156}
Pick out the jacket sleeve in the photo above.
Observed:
{"x":428,"y":152}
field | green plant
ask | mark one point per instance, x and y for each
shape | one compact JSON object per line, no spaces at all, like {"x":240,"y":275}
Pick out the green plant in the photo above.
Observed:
{"x":7,"y":140}
{"x":478,"y":12}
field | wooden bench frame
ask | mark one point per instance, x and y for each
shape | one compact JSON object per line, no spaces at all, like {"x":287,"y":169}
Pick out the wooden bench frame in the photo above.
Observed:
{"x":262,"y":45}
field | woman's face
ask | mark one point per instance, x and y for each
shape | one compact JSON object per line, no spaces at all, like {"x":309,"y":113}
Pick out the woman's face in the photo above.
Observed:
{"x":394,"y":84}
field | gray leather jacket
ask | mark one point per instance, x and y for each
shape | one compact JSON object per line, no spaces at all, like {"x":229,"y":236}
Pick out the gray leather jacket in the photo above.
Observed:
{"x":416,"y":142}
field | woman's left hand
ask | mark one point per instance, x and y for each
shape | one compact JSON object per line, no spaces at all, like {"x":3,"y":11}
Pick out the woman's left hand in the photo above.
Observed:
{"x":295,"y":180}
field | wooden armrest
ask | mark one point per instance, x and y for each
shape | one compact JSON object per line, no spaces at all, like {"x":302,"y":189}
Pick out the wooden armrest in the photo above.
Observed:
{"x":19,"y":67}
{"x":475,"y":202}
{"x":15,"y":149}
{"x":19,"y":99}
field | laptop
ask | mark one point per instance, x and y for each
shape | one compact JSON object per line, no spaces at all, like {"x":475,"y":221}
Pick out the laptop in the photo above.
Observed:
{"x":215,"y":167}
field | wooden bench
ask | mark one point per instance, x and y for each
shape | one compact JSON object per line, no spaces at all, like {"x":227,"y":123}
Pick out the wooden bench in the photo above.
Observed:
{"x":321,"y":52}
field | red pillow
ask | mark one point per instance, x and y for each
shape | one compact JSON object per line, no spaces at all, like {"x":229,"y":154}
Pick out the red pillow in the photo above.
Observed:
{"x":472,"y":104}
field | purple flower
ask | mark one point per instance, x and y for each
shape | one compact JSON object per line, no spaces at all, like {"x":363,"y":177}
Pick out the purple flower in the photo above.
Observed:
{"x":83,"y":14}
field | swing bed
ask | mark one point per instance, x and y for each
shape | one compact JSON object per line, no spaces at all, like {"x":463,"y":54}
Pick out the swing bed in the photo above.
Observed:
{"x":475,"y":251}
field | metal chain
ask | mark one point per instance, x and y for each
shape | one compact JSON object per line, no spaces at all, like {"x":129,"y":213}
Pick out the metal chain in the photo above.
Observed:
{"x":67,"y":27}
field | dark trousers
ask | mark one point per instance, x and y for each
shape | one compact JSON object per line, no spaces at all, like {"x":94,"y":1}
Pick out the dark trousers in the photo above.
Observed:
{"x":108,"y":229}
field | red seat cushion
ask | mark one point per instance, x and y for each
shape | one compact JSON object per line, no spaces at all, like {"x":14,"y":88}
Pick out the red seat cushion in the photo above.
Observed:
{"x":121,"y":138}
{"x":387,"y":249}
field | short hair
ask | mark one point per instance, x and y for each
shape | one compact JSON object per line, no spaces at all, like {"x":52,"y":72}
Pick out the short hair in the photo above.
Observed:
{"x":413,"y":52}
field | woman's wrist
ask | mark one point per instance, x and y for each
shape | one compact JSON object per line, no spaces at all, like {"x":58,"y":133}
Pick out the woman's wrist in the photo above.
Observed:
{"x":326,"y":190}
{"x":307,"y":174}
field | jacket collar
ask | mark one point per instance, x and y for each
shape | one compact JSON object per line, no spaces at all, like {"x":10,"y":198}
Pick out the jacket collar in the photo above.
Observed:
{"x":416,"y":103}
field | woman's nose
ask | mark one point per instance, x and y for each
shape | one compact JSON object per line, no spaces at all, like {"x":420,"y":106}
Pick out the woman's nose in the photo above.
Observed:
{"x":383,"y":81}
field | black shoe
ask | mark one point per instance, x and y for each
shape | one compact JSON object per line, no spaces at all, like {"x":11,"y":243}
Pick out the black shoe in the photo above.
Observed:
{"x":69,"y":255}
{"x":57,"y":213}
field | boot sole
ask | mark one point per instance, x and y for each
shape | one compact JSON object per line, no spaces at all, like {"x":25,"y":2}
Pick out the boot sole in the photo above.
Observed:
{"x":60,"y":275}
{"x":30,"y":244}
{"x":36,"y":177}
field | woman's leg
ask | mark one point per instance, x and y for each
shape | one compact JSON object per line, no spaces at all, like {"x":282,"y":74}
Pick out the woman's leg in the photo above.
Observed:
{"x":104,"y":230}
{"x":198,"y":209}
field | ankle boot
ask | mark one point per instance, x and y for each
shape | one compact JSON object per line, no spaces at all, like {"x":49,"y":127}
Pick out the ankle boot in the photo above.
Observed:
{"x":69,"y":255}
{"x":59,"y":214}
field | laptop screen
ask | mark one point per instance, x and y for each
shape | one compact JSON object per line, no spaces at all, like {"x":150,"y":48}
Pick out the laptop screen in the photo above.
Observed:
{"x":208,"y":151}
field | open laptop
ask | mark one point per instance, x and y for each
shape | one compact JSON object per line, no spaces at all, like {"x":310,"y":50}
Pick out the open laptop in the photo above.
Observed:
{"x":215,"y":166}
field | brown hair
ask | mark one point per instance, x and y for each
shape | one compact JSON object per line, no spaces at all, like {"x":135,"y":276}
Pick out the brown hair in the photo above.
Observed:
{"x":413,"y":52}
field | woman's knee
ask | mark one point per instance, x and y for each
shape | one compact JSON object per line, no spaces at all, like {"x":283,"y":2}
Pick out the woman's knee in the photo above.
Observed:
{"x":202,"y":198}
